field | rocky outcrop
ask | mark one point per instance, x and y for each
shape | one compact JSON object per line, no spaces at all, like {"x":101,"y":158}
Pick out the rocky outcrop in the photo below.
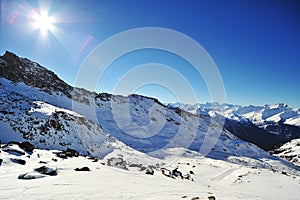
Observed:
{"x":27,"y":146}
{"x":51,"y":171}
{"x":31,"y":73}
{"x":149,"y":171}
{"x":18,"y":161}
{"x":28,"y":176}
{"x":82,"y":169}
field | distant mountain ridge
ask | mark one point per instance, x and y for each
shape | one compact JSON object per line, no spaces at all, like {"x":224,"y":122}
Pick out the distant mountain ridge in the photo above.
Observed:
{"x":277,"y":113}
{"x":267,"y":126}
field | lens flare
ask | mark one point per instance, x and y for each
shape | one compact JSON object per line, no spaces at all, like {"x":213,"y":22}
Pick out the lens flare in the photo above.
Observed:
{"x":43,"y":22}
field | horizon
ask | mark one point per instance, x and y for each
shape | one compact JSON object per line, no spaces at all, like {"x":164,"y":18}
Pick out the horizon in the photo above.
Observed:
{"x":167,"y":103}
{"x":254,"y":44}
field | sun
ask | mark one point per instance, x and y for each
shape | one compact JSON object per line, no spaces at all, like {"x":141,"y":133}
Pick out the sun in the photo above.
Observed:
{"x":43,"y":22}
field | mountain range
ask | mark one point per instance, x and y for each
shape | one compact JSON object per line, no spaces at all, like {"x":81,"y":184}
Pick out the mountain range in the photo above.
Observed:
{"x":138,"y":131}
{"x":267,"y":126}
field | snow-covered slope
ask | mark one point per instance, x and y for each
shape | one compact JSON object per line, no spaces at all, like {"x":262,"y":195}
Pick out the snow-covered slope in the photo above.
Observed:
{"x":49,"y":126}
{"x":207,"y":177}
{"x":289,"y":151}
{"x":274,"y":124}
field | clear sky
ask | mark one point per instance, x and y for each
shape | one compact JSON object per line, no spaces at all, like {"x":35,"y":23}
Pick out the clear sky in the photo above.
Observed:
{"x":255,"y":44}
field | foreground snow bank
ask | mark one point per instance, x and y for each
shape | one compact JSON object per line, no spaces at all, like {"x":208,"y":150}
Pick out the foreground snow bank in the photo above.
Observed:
{"x":211,"y":177}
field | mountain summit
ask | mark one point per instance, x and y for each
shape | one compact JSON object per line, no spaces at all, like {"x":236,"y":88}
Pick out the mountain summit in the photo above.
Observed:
{"x":22,"y":70}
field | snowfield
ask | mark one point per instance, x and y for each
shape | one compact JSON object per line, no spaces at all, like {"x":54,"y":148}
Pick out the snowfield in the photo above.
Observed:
{"x":211,"y":177}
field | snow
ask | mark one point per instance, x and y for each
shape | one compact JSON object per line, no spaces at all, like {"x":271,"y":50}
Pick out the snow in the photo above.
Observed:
{"x":48,"y":109}
{"x":275,"y":118}
{"x":49,"y":124}
{"x":211,"y":177}
{"x":256,"y":114}
{"x":293,"y":121}
{"x":290,"y":151}
{"x":7,"y":134}
{"x":126,"y":135}
{"x":93,"y":129}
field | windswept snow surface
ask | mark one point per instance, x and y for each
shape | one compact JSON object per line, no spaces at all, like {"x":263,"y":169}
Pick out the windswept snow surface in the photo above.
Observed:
{"x":211,"y":178}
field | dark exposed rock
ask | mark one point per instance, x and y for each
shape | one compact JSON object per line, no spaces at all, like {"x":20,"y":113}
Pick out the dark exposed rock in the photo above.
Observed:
{"x":117,"y":162}
{"x":140,"y":166}
{"x":284,"y":173}
{"x":71,"y":153}
{"x":177,"y":173}
{"x":104,"y":96}
{"x":82,"y":169}
{"x":29,"y":176}
{"x":23,"y":70}
{"x":47,"y":170}
{"x":27,"y":146}
{"x":61,"y":155}
{"x":211,"y":198}
{"x":11,"y":143}
{"x":94,"y":159}
{"x":23,"y":145}
{"x":18,"y":161}
{"x":67,"y":153}
{"x":14,"y":151}
{"x":149,"y":171}
{"x":1,"y":160}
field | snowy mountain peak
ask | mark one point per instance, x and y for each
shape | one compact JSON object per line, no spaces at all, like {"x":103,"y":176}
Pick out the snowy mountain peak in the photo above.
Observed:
{"x":22,"y":70}
{"x":266,"y":126}
{"x":277,"y":106}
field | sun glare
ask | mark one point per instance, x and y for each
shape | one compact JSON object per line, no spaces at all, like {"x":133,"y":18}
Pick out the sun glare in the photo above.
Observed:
{"x":43,"y":22}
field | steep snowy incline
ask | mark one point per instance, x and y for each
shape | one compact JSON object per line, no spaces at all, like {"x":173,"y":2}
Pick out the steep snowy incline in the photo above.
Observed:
{"x":50,"y":127}
{"x":289,"y":151}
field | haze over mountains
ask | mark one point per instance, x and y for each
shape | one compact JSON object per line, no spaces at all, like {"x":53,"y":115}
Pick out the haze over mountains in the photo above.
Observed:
{"x":137,"y":131}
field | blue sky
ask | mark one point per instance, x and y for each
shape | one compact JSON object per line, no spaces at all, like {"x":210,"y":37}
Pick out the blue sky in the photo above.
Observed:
{"x":255,"y":44}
